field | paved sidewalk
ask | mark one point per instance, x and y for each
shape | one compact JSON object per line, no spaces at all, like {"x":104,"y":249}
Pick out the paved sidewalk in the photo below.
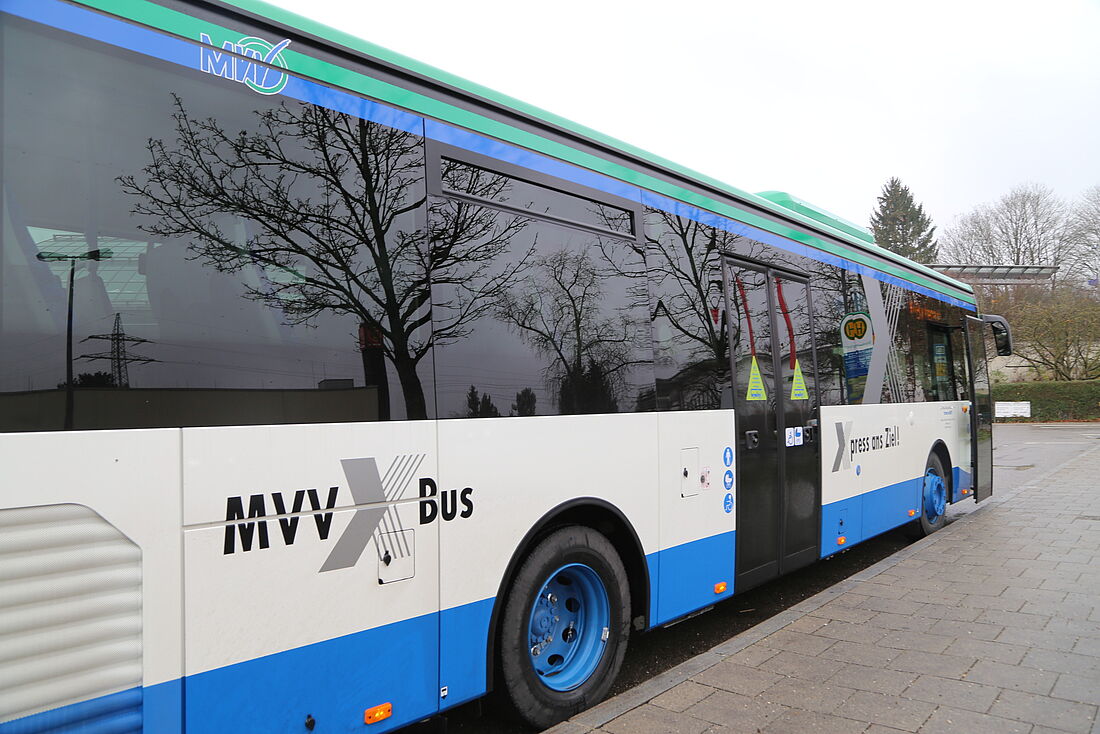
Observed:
{"x":990,"y":625}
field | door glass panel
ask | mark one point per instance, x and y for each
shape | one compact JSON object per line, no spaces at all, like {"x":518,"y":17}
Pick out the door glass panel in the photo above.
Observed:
{"x":798,"y":388}
{"x":982,"y":410}
{"x":754,"y":394}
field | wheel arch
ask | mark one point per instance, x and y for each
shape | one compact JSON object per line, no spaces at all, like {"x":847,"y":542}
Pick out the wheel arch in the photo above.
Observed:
{"x":939,"y":448}
{"x":591,"y":512}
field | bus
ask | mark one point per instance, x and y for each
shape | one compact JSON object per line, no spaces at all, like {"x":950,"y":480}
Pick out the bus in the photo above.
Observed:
{"x":337,"y":391}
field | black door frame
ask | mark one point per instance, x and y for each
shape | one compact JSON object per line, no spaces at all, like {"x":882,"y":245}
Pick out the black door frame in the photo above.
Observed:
{"x":746,"y":579}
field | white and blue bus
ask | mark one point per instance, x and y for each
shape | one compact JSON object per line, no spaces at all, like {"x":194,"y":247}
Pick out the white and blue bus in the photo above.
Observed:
{"x":337,"y":391}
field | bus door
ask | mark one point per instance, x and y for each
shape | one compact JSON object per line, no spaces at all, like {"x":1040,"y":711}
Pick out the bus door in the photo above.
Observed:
{"x":778,"y":495}
{"x":981,"y":411}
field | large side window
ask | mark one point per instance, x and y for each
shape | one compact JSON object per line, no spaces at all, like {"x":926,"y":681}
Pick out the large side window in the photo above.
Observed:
{"x":539,"y":299}
{"x":236,"y":258}
{"x":690,"y":337}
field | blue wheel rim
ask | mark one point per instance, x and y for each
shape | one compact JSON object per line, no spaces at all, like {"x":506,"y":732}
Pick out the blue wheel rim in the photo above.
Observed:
{"x":568,"y":628}
{"x":935,"y":495}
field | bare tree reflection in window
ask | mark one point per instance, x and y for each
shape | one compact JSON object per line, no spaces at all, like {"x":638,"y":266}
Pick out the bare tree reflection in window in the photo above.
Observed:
{"x":333,"y":205}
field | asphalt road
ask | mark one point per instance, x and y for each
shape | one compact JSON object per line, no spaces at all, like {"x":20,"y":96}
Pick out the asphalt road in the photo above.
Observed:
{"x":1022,"y":454}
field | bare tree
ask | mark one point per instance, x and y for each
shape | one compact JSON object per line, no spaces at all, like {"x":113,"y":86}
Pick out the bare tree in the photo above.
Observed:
{"x":1056,"y":331}
{"x":1085,"y":229}
{"x":334,"y":207}
{"x":1029,"y":225}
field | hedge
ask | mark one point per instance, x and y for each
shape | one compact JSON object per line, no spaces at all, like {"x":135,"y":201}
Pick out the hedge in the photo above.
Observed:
{"x":1053,"y":401}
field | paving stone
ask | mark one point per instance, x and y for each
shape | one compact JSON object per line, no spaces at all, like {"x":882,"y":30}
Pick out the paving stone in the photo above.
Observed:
{"x":804,"y":694}
{"x":882,"y":591}
{"x":844,"y":613}
{"x":953,"y":614}
{"x":929,"y":596}
{"x":880,"y":708}
{"x":986,"y":650}
{"x":915,"y":641}
{"x":797,"y":642}
{"x":1065,"y":610}
{"x":1035,"y":595}
{"x":897,"y":606}
{"x":880,"y":729}
{"x":891,"y":621}
{"x":736,"y":678}
{"x":807,"y":625}
{"x":809,"y":722}
{"x":804,"y":667}
{"x":1014,"y":677}
{"x":849,"y":631}
{"x":752,"y":655}
{"x":1013,"y":619}
{"x":1078,"y":688}
{"x":856,"y":652}
{"x":1039,"y":638}
{"x":946,"y":720}
{"x":1088,"y":646}
{"x":1067,"y":715}
{"x":961,"y":694}
{"x":1079,"y":627}
{"x":682,"y":696}
{"x":1062,"y":662}
{"x":876,"y":680}
{"x":978,"y":601}
{"x":978,"y":631}
{"x":567,"y":727}
{"x":945,"y":666}
{"x":739,"y":713}
{"x":648,"y":719}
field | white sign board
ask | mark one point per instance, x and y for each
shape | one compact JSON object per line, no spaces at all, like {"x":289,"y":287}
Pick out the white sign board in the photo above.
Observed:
{"x":1012,"y":410}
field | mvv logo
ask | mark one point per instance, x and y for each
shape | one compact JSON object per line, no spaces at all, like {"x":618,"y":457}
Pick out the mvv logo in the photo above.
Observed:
{"x":255,"y":532}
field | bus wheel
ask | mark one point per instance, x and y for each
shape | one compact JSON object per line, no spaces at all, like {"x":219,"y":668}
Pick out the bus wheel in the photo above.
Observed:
{"x":933,"y":496}
{"x":565,"y":626}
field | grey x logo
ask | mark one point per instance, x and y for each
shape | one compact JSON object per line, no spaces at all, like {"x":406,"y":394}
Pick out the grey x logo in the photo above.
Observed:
{"x":366,"y":486}
{"x":842,"y":460}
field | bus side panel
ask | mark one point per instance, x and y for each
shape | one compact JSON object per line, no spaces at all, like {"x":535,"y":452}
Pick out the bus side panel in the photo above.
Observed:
{"x":97,"y":494}
{"x":288,"y":617}
{"x":873,"y":462}
{"x":697,"y":492}
{"x":518,"y":469}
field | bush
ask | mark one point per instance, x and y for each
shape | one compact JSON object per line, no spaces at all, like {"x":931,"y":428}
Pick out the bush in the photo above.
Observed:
{"x":1078,"y":400}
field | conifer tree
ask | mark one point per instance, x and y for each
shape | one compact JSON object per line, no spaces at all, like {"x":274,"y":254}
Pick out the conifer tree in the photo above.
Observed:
{"x":900,"y":224}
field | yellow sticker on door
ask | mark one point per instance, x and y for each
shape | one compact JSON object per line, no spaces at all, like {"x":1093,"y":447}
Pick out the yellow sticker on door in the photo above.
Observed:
{"x":798,"y":384}
{"x":756,"y":383}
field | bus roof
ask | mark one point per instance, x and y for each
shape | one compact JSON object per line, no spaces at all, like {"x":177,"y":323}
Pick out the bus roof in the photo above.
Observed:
{"x":857,"y":242}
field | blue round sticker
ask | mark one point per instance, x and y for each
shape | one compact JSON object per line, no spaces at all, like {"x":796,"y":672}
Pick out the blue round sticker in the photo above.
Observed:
{"x":727,"y":503}
{"x":858,"y":467}
{"x":727,"y":456}
{"x":727,"y":479}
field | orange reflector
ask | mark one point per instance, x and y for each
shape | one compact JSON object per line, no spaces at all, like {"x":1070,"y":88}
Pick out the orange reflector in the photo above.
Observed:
{"x":912,"y":512}
{"x":966,"y":491}
{"x":377,"y":713}
{"x":966,"y":408}
{"x":720,"y":587}
{"x":841,"y":540}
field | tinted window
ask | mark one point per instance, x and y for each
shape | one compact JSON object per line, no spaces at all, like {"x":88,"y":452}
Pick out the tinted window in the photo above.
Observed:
{"x":464,"y":178}
{"x":262,"y":260}
{"x":536,"y":318}
{"x":690,"y":339}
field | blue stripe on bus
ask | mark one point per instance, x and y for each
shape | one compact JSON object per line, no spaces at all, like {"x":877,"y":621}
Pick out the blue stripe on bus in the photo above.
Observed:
{"x":185,"y":53}
{"x":960,"y":479}
{"x":866,"y":515}
{"x":682,"y":578}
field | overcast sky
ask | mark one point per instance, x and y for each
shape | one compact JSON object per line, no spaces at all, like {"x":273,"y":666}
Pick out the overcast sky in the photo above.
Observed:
{"x":961,"y":99}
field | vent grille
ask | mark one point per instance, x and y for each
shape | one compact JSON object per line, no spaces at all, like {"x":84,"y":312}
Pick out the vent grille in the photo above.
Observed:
{"x":70,"y":622}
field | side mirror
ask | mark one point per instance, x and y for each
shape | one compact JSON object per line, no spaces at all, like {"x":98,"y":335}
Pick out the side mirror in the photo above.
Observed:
{"x":1002,"y":334}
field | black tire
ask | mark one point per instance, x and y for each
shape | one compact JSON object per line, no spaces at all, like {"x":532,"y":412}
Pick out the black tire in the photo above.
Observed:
{"x":533,"y":702}
{"x":923,"y":527}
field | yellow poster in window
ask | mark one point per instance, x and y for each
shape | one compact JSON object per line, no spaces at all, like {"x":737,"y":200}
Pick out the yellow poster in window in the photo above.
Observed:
{"x":756,"y":383}
{"x":798,"y":384}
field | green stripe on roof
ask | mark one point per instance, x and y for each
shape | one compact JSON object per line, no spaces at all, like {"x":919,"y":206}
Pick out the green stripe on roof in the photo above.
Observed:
{"x":172,"y":21}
